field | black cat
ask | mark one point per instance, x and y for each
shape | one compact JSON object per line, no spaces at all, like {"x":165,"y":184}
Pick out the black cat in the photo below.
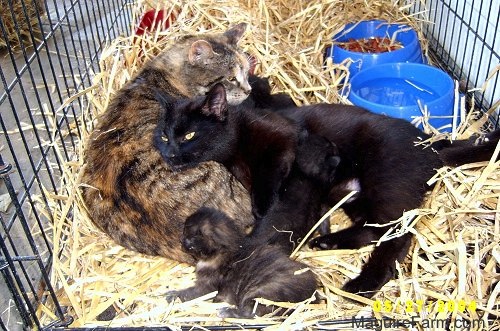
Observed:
{"x":238,"y":269}
{"x":257,"y":146}
{"x":380,"y":158}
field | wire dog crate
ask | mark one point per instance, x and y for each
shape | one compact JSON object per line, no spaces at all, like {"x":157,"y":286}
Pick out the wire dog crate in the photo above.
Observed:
{"x":51,"y":50}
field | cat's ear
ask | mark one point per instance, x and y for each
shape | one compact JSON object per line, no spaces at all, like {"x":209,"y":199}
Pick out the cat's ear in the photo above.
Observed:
{"x":234,"y":34}
{"x":200,"y":51}
{"x":164,"y":99}
{"x":333,"y":161}
{"x":216,"y":103}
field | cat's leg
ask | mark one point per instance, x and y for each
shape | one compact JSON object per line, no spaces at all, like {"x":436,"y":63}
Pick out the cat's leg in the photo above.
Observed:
{"x":354,"y":237}
{"x":380,"y":268}
{"x":235,"y":312}
{"x":246,"y":310}
{"x":267,"y":180}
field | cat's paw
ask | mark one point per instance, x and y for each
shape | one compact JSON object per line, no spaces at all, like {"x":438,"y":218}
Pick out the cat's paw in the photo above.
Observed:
{"x":171,"y":296}
{"x":325,"y":242}
{"x":182,"y":295}
{"x":232,"y":312}
{"x":368,"y":282}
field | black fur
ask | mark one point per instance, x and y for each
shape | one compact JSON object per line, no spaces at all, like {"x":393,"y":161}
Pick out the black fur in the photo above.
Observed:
{"x":298,"y":205}
{"x":381,"y":154}
{"x":257,"y":146}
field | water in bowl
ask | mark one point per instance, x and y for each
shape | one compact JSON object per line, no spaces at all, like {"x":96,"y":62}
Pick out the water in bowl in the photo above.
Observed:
{"x":395,"y":92}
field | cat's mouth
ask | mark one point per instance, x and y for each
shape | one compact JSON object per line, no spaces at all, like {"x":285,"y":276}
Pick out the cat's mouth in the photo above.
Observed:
{"x":178,"y":167}
{"x":177,"y":164}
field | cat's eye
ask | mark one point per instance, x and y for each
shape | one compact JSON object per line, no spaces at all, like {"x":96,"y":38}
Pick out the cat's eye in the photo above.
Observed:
{"x":164,"y":138}
{"x":232,"y":79}
{"x":189,"y":136}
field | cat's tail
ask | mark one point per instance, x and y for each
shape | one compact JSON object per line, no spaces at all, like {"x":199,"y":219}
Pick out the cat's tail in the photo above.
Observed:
{"x":476,"y":149}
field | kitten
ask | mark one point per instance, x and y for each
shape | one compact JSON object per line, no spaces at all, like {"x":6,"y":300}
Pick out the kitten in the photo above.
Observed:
{"x":380,"y":157}
{"x":130,"y":193}
{"x":298,"y":205}
{"x":239,"y":270}
{"x":262,"y":98}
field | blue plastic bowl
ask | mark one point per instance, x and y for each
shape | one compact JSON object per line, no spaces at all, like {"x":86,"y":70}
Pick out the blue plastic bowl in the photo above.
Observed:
{"x":410,"y":52}
{"x":394,"y":88}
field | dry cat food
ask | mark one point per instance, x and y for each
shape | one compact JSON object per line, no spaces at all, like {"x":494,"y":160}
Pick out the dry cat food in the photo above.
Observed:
{"x":371,"y":45}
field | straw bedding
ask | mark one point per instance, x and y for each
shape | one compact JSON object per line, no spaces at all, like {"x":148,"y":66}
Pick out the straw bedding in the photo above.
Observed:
{"x":455,"y":255}
{"x":25,"y":17}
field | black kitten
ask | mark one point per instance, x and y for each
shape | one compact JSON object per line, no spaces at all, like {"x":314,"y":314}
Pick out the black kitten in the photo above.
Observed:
{"x":298,"y":205}
{"x":261,"y":97}
{"x":239,"y":270}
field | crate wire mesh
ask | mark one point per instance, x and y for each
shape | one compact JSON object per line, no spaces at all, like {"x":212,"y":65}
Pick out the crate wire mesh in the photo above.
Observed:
{"x":53,"y":55}
{"x":51,"y":50}
{"x":464,"y":40}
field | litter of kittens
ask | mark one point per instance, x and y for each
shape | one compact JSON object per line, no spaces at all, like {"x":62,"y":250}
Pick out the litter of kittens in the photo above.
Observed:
{"x":451,"y":271}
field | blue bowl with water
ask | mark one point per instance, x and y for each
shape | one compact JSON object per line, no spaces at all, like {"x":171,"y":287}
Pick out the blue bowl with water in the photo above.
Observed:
{"x":394,"y":89}
{"x":411,"y":50}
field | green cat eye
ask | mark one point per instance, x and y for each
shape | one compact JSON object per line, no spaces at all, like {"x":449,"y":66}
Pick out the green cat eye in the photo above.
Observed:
{"x":189,"y":136}
{"x":164,"y":138}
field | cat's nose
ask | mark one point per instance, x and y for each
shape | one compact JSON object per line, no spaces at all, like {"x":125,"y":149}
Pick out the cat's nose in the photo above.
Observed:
{"x":187,"y":244}
{"x":246,"y":88}
{"x":170,"y":154}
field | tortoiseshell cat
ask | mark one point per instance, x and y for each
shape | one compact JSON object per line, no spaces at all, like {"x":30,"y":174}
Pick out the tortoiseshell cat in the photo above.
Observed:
{"x":379,"y":155}
{"x":238,"y":269}
{"x":130,"y":193}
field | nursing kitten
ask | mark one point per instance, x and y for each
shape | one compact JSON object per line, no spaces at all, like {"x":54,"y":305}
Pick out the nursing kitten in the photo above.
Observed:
{"x":380,"y":158}
{"x":130,"y":192}
{"x":261,"y":96}
{"x":239,"y":270}
{"x":298,"y":205}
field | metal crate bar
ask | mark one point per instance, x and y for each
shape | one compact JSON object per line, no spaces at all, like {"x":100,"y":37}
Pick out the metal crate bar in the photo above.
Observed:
{"x":55,"y":56}
{"x":463,"y":40}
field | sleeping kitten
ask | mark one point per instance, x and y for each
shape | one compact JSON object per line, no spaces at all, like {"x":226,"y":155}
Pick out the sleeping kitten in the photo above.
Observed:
{"x":378,"y":154}
{"x":242,"y":268}
{"x":239,"y":270}
{"x":130,"y":193}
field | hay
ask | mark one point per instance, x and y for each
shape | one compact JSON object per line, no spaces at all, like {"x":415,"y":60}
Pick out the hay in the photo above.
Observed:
{"x":454,"y":259}
{"x":18,"y":20}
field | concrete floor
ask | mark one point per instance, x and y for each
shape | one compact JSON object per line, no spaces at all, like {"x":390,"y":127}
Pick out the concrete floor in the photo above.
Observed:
{"x":35,"y":82}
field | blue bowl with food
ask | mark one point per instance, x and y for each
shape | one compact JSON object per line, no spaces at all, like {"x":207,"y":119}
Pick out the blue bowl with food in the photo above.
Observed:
{"x":397,"y":89}
{"x":374,"y":42}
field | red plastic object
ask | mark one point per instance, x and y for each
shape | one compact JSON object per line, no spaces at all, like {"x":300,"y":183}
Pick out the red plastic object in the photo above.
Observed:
{"x":153,"y":19}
